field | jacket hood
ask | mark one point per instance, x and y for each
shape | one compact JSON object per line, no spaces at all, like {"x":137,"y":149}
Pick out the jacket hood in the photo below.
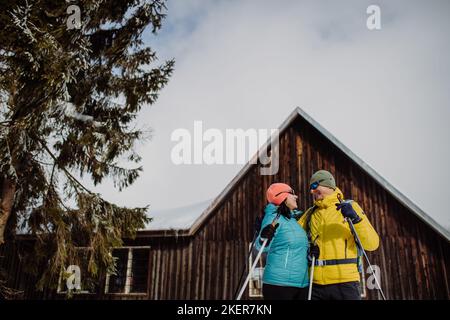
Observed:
{"x":270,"y":208}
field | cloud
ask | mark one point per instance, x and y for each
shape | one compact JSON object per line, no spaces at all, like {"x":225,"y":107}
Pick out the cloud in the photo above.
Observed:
{"x":247,"y":64}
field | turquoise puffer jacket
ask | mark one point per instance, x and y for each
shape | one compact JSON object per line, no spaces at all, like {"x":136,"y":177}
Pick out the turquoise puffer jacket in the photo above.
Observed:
{"x":286,"y":263}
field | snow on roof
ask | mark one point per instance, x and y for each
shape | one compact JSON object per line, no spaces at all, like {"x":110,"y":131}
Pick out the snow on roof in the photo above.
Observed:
{"x":180,"y":218}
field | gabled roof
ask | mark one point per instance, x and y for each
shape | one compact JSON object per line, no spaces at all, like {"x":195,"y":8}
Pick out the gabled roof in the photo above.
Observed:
{"x":298,"y":112}
{"x":177,"y":218}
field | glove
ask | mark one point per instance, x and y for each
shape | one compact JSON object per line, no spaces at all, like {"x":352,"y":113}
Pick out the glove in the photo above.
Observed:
{"x":314,"y":251}
{"x":268,"y":232}
{"x":348,"y":211}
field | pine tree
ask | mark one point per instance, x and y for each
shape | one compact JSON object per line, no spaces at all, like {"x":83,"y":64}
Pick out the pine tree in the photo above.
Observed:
{"x":69,"y":98}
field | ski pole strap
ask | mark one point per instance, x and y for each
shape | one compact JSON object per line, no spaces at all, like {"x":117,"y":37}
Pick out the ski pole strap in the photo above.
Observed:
{"x":333,"y":262}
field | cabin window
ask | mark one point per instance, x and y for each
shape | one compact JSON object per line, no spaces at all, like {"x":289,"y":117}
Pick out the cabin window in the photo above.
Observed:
{"x":255,"y":283}
{"x":131,"y":271}
{"x":116,"y":282}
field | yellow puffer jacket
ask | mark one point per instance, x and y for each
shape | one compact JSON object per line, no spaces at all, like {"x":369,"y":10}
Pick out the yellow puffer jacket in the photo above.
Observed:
{"x":335,"y":239}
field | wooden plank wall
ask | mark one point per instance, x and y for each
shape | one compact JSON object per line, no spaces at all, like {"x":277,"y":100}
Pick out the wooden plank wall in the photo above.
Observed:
{"x":413,"y":258}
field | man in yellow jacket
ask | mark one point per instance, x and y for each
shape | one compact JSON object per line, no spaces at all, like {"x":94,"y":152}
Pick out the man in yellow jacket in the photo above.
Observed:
{"x":336,"y":275}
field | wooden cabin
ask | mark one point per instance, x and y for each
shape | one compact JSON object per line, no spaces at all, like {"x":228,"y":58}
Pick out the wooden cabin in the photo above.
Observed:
{"x":206,"y":260}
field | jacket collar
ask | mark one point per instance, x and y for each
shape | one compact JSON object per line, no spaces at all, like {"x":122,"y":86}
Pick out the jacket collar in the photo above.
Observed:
{"x":329,"y":200}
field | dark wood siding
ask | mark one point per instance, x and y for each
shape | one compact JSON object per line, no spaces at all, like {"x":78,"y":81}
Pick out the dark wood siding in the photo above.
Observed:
{"x":413,"y":258}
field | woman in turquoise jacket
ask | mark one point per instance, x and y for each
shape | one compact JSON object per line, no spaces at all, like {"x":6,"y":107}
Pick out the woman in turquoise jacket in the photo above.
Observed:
{"x":286,"y":271}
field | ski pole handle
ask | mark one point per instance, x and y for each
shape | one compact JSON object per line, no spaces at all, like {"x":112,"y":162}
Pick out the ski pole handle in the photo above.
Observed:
{"x":275,"y":220}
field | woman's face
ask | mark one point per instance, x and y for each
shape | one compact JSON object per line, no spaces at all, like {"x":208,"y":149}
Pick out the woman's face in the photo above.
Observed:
{"x":291,"y":201}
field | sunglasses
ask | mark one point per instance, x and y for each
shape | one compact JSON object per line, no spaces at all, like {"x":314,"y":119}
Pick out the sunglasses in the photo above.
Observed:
{"x":315,"y":185}
{"x":291,"y":192}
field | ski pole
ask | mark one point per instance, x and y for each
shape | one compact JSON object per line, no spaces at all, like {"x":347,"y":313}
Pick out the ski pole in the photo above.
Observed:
{"x":359,"y":244}
{"x":311,"y":273}
{"x":241,"y":292}
{"x":311,"y":277}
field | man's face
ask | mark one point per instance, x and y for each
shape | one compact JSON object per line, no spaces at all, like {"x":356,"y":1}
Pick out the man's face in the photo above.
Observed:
{"x":321,"y":192}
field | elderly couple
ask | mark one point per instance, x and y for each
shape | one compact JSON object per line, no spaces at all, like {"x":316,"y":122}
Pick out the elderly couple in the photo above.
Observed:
{"x":321,"y":232}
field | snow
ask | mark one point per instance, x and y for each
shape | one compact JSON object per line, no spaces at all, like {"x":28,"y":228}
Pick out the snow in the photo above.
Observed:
{"x":180,"y":218}
{"x":69,"y":110}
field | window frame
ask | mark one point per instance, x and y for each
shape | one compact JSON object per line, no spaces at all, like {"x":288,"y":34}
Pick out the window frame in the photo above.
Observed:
{"x":128,"y":276}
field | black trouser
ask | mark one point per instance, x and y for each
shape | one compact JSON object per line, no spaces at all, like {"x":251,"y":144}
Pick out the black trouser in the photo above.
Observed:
{"x":271,"y":292}
{"x":338,"y":291}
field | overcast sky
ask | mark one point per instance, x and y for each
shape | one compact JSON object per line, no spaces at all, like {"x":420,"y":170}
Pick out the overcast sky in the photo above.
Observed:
{"x":385,"y":94}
